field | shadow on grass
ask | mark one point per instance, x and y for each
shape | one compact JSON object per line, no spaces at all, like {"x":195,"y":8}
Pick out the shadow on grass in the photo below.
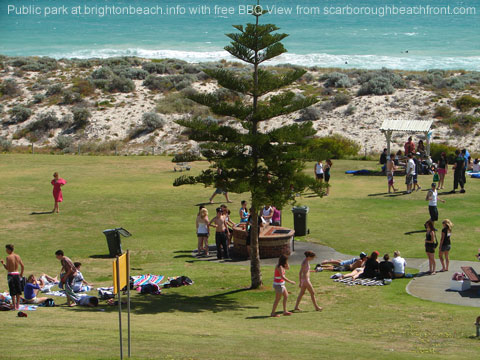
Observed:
{"x":171,"y":301}
{"x":415,"y":232}
{"x":397,"y":194}
{"x":448,"y":193}
{"x":258,"y":317}
{"x":105,"y":256}
{"x":379,"y":194}
{"x":41,"y":213}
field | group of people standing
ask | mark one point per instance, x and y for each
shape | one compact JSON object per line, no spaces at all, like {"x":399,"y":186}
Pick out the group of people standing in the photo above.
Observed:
{"x":431,"y":243}
{"x":322,"y":173}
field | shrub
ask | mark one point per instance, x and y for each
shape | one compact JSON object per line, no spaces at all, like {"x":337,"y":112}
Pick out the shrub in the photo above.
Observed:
{"x":466,"y":102}
{"x":81,"y":117}
{"x":186,"y":157}
{"x":442,"y":111}
{"x":45,"y":122}
{"x":130,"y":73}
{"x":10,"y":88}
{"x":152,"y":121}
{"x":309,"y":114}
{"x":169,"y":82}
{"x":38,"y":98}
{"x":378,"y":85}
{"x":102,"y":73}
{"x":178,"y":103}
{"x":83,"y":87}
{"x":20,"y":114}
{"x":63,"y":142}
{"x":5,"y":144}
{"x":341,"y":99}
{"x":154,"y":68}
{"x":437,"y":149}
{"x":54,"y":89}
{"x":119,"y":84}
{"x":70,"y":97}
{"x":337,"y":80}
{"x":334,"y":146}
{"x":350,"y":110}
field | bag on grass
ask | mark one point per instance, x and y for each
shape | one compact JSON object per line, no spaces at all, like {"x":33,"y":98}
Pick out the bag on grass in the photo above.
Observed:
{"x":150,"y":289}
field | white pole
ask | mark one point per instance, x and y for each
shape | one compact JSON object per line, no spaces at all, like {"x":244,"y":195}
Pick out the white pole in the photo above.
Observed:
{"x":119,"y":307}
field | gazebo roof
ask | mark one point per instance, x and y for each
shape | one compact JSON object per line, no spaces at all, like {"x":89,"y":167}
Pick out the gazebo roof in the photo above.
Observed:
{"x":406,"y":125}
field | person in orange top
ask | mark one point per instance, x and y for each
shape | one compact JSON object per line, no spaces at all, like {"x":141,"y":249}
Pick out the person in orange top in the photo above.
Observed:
{"x":409,"y":146}
{"x":279,"y":285}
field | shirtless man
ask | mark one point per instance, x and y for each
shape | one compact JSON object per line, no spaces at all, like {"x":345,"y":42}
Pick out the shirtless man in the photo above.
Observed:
{"x":343,"y":265}
{"x":13,"y":277}
{"x":67,"y":279}
{"x":390,"y":171}
{"x":219,"y":223}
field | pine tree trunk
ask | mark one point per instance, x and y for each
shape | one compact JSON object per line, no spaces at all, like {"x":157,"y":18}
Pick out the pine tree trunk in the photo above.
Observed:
{"x":256,"y":275}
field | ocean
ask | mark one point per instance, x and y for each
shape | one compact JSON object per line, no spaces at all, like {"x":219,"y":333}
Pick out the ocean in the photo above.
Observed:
{"x":396,"y":34}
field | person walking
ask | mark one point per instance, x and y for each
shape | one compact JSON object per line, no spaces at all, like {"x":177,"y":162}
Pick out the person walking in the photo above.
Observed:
{"x":430,"y":245}
{"x":442,"y":169}
{"x":318,"y":169}
{"x":13,"y":261}
{"x":390,"y":173}
{"x":57,"y":183}
{"x":409,"y":173}
{"x":445,"y":244}
{"x":326,"y":172}
{"x":432,"y":198}
{"x":203,"y":232}
{"x":304,"y":281}
{"x":279,"y":286}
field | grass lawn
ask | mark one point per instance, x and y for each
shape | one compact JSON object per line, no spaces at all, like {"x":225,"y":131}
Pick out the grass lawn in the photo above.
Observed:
{"x":217,"y":318}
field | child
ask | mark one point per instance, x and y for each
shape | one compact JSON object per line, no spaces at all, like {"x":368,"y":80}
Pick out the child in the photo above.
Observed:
{"x":279,"y":286}
{"x":79,"y":280}
{"x":57,"y":190}
{"x":31,"y":290}
{"x":305,"y":284}
{"x":90,"y":301}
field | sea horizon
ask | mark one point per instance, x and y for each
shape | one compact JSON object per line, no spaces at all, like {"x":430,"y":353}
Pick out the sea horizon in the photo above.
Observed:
{"x":357,"y":40}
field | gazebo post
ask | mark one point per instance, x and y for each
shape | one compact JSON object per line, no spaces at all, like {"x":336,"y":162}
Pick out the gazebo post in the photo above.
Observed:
{"x":388,"y":136}
{"x":427,"y":136}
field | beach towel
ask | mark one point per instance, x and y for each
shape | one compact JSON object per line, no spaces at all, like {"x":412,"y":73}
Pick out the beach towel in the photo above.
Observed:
{"x":146,"y":279}
{"x":364,"y":282}
{"x":358,"y":172}
{"x":61,"y":293}
{"x":27,"y":307}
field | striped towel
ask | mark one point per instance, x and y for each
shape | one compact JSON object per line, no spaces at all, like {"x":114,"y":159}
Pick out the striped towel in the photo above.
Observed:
{"x":147,"y":279}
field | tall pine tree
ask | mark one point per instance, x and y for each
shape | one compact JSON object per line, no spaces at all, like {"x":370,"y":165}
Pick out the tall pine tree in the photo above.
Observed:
{"x":267,"y":164}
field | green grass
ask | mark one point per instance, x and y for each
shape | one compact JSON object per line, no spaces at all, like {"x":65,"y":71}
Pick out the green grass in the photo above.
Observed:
{"x":216,"y":318}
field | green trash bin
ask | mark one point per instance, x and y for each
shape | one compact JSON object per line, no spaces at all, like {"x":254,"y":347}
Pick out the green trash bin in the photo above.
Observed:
{"x":300,"y":220}
{"x":113,"y":240}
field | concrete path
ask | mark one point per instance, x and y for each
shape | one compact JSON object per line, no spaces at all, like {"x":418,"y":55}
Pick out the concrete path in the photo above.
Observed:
{"x":424,"y":286}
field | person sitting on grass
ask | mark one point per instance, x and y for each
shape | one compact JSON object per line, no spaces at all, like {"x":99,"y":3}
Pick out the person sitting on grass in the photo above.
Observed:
{"x":399,"y":264}
{"x":342,"y":265}
{"x":31,"y":290}
{"x":386,"y":268}
{"x":90,"y":301}
{"x":279,"y":286}
{"x":79,"y":281}
{"x":371,"y":266}
{"x":304,"y":280}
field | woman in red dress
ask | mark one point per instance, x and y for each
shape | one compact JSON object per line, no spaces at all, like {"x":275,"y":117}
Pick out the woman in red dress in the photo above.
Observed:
{"x":57,"y":190}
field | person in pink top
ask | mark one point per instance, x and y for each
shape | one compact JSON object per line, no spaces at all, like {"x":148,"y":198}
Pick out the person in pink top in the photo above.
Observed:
{"x":57,"y":190}
{"x":276,"y":217}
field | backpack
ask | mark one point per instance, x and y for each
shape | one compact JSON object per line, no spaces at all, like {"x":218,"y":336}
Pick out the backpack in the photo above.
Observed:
{"x":150,"y":289}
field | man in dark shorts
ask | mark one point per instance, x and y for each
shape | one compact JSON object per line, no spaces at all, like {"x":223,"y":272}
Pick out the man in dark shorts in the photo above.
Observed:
{"x":458,"y":172}
{"x":70,"y":271}
{"x":13,"y":277}
{"x":220,"y":237}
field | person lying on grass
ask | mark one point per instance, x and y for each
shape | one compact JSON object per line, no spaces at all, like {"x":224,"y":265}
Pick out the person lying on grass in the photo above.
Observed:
{"x":342,"y":265}
{"x":90,"y":301}
{"x":305,"y":284}
{"x":279,"y":285}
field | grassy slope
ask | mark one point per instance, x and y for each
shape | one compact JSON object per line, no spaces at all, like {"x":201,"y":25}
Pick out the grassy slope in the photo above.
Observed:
{"x":215,"y":318}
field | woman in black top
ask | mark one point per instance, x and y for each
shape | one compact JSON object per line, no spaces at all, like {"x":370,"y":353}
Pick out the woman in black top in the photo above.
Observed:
{"x":442,"y":169}
{"x":430,"y":246}
{"x":445,"y":243}
{"x":326,"y":172}
{"x":371,"y":266}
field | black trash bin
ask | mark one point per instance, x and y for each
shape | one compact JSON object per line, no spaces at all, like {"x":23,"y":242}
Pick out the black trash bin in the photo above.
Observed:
{"x":113,"y":240}
{"x":300,"y":220}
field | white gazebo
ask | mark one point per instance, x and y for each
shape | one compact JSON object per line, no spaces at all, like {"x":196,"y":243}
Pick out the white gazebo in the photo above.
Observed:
{"x":408,"y":126}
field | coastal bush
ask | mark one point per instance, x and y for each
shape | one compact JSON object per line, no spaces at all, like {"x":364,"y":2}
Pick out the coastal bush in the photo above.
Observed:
{"x":350,"y":110}
{"x":121,"y":61}
{"x":63,"y":142}
{"x":43,"y":64}
{"x":84,"y":87}
{"x":152,"y":121}
{"x":70,"y":97}
{"x":5,"y":144}
{"x":442,"y":111}
{"x":335,"y":146}
{"x":341,"y":99}
{"x":378,"y":85}
{"x":54,"y":89}
{"x":84,"y":64}
{"x":81,"y":117}
{"x":188,"y":156}
{"x":130,"y":73}
{"x":20,"y":114}
{"x":154,"y":68}
{"x":466,"y":102}
{"x":309,"y":114}
{"x":45,"y":121}
{"x":336,"y":80}
{"x":395,"y":79}
{"x":169,"y":82}
{"x":178,"y":103}
{"x":38,"y":98}
{"x":119,"y":84}
{"x":9,"y":88}
{"x":103,"y":73}
{"x":436,"y":150}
